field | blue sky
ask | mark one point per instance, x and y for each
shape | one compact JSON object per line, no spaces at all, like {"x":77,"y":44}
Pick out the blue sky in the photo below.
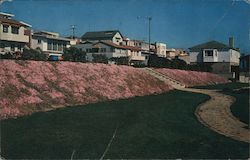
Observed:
{"x":178,"y":23}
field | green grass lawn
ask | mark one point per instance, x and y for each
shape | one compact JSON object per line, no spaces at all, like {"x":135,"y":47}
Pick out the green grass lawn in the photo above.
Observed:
{"x":234,"y":85}
{"x":240,"y":108}
{"x":157,"y":126}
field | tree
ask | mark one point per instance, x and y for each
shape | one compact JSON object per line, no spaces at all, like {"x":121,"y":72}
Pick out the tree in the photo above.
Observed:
{"x":74,"y":54}
{"x":33,"y":54}
{"x":158,"y":62}
{"x":100,"y":58}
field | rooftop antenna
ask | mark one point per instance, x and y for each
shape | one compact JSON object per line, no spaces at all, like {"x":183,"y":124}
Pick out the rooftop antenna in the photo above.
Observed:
{"x":73,"y":28}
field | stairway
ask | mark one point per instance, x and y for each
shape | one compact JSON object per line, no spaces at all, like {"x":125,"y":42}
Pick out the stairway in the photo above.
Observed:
{"x":175,"y":84}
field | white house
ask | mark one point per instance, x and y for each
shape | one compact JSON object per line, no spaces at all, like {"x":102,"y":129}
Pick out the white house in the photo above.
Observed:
{"x":221,"y":57}
{"x":111,"y":50}
{"x":49,"y":42}
{"x":161,"y":49}
{"x":114,"y":36}
{"x":14,"y":35}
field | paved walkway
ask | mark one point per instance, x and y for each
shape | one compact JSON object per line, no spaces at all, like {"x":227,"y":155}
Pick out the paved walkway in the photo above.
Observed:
{"x":214,"y":113}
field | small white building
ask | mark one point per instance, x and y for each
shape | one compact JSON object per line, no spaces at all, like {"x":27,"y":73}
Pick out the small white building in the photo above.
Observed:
{"x":49,"y":42}
{"x":14,"y":35}
{"x":161,"y":49}
{"x":220,"y":56}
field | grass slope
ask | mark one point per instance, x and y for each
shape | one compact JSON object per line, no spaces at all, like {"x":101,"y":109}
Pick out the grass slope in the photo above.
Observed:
{"x":156,"y":126}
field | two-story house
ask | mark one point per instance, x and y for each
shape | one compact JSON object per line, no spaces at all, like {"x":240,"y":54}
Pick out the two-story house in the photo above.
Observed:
{"x":49,"y":42}
{"x":111,"y":44}
{"x":14,"y":35}
{"x":221,"y":57}
{"x":111,"y":50}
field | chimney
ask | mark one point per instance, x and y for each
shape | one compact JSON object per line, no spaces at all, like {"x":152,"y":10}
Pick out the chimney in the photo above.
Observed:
{"x":231,"y":42}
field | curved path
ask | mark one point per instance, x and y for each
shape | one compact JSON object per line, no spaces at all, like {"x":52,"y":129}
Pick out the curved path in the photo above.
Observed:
{"x":214,"y":113}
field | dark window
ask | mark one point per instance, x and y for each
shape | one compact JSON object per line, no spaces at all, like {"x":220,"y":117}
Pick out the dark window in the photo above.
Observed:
{"x":103,"y":49}
{"x":5,"y":28}
{"x":60,"y":47}
{"x":54,"y":46}
{"x":2,"y":45}
{"x":95,"y":50}
{"x":15,"y":30}
{"x":19,"y":47}
{"x":209,"y":53}
{"x":39,"y":41}
{"x":88,"y":50}
{"x":12,"y":47}
{"x":64,"y":45}
{"x":49,"y":46}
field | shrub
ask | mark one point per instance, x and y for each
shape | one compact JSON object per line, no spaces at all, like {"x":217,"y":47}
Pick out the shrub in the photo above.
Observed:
{"x":33,"y":54}
{"x":7,"y":56}
{"x":74,"y":54}
{"x":100,"y":58}
{"x":120,"y":60}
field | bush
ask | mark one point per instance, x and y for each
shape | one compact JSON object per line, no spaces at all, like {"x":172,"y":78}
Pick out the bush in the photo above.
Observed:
{"x":120,"y":60}
{"x":33,"y":54}
{"x":100,"y":58}
{"x":176,"y":63}
{"x":74,"y":54}
{"x":7,"y":56}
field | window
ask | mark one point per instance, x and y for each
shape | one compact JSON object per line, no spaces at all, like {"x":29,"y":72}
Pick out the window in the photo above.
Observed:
{"x":5,"y":28}
{"x":19,"y":47}
{"x":2,"y":45}
{"x":15,"y":30}
{"x":60,"y":47}
{"x":88,"y":50}
{"x":54,"y":46}
{"x":12,"y":47}
{"x":209,"y":53}
{"x":49,"y":46}
{"x":39,"y":41}
{"x":95,"y":50}
{"x":64,"y":45}
{"x":103,"y":49}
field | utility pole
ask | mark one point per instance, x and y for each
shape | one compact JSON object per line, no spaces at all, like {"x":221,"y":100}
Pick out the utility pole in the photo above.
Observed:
{"x":73,"y":27}
{"x":149,"y":30}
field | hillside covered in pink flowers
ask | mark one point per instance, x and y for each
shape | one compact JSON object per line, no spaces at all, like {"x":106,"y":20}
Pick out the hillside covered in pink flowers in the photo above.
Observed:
{"x":33,"y":86}
{"x":192,"y":78}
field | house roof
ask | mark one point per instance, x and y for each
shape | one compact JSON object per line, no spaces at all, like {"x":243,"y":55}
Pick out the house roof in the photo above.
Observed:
{"x":117,"y":46}
{"x":6,"y":14}
{"x":51,"y":37}
{"x":109,"y":44}
{"x":211,"y":45}
{"x":8,"y":21}
{"x":100,"y":35}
